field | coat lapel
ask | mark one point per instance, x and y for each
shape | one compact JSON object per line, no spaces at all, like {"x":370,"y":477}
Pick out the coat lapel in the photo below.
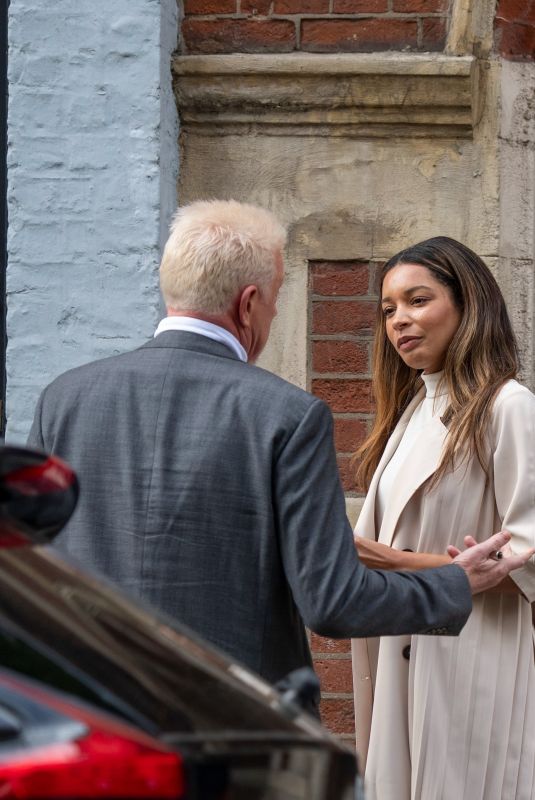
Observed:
{"x":366,"y":523}
{"x":420,"y":464}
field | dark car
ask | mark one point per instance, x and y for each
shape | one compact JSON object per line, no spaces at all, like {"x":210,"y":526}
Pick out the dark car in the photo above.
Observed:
{"x":101,"y":697}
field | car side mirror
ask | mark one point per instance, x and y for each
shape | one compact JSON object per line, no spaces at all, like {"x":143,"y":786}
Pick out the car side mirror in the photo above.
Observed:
{"x":301,"y":688}
{"x":38,"y":494}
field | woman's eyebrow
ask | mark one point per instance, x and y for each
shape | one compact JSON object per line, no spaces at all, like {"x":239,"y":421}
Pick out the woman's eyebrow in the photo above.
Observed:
{"x":407,"y":291}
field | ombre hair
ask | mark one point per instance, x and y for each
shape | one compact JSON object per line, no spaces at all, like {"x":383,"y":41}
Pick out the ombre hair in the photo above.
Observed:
{"x":215,"y":249}
{"x":481,"y":357}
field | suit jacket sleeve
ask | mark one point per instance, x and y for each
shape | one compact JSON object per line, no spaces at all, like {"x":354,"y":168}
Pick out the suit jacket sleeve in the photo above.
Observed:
{"x":335,"y":593}
{"x":514,"y":477}
{"x":35,"y":437}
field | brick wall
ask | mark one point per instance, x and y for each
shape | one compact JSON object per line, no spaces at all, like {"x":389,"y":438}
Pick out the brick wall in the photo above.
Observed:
{"x":342,"y":302}
{"x":332,"y":662}
{"x":316,"y":26}
{"x":515,"y":29}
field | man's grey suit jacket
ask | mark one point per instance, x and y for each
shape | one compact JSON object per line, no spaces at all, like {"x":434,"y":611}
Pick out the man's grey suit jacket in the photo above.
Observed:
{"x":209,"y":488}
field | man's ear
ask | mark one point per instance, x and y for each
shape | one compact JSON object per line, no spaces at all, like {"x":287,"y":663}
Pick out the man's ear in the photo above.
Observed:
{"x":247,"y":300}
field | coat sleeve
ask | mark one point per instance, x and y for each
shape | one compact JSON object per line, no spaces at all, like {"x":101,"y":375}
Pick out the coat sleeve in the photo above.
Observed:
{"x":335,"y":593}
{"x":514,"y":477}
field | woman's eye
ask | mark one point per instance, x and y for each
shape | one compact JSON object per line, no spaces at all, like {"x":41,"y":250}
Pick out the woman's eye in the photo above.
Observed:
{"x":388,"y":311}
{"x":417,"y":301}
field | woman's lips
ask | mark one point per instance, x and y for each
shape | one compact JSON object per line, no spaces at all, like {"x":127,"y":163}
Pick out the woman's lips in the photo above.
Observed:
{"x":408,"y":343}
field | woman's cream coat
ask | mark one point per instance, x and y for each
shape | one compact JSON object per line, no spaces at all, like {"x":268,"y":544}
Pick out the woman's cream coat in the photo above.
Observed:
{"x":456,"y":719}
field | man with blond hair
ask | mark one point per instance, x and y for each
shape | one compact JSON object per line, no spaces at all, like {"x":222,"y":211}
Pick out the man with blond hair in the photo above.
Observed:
{"x":210,"y":486}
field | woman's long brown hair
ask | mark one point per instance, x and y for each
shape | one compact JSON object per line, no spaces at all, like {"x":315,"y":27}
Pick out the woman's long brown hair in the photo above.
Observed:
{"x":482,"y":356}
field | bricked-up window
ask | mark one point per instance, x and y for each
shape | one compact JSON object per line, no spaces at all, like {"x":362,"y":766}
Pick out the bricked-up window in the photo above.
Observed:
{"x":342,"y":309}
{"x":515,"y":29}
{"x":342,"y":306}
{"x":314,"y":26}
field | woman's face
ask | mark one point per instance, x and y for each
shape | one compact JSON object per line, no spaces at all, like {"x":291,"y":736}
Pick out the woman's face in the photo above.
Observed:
{"x":420,"y":315}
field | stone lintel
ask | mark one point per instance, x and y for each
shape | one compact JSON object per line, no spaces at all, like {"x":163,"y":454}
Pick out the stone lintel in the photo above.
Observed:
{"x":362,"y":95}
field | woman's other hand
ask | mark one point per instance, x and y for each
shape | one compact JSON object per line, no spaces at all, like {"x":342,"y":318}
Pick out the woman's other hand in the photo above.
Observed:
{"x":376,"y":555}
{"x":379,"y":556}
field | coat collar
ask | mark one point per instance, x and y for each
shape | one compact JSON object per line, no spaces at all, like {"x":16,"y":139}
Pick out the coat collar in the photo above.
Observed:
{"x":183,"y":340}
{"x":420,"y":465}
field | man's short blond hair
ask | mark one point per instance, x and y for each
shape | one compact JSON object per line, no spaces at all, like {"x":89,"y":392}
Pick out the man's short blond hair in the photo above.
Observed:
{"x":215,"y":249}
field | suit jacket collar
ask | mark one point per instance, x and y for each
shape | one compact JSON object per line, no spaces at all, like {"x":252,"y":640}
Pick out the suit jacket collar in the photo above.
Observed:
{"x":420,"y":465}
{"x":183,"y":340}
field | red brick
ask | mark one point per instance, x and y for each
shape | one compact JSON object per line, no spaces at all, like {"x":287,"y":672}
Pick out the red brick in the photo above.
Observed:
{"x":420,"y":6}
{"x":344,"y":395}
{"x":339,"y":279}
{"x":335,"y":674}
{"x":516,"y":41}
{"x":338,"y":35}
{"x":261,"y":7}
{"x":210,"y":7}
{"x":347,"y":467}
{"x":320,"y":644}
{"x":238,"y":36}
{"x":349,"y":434}
{"x":338,"y":715}
{"x":375,"y":278}
{"x":301,"y":7}
{"x":516,"y":10}
{"x":350,"y":316}
{"x":433,"y":33}
{"x":336,"y":356}
{"x":360,"y":6}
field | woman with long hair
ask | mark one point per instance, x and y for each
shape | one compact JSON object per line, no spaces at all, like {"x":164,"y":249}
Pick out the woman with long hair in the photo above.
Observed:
{"x":451,"y":455}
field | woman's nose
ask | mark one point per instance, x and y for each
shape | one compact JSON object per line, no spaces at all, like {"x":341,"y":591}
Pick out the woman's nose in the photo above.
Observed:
{"x":399,"y":319}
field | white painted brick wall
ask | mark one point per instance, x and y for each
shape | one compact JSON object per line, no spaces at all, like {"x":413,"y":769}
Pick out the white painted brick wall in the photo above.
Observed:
{"x":92,"y":173}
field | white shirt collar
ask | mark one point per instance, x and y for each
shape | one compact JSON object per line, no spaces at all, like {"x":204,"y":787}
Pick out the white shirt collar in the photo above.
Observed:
{"x":208,"y":329}
{"x":432,"y":381}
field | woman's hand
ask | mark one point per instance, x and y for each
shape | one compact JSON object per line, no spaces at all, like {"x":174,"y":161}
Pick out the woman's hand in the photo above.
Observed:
{"x":379,"y":556}
{"x":376,"y":555}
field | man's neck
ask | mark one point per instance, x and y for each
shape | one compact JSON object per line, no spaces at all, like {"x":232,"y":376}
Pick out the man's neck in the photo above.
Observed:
{"x":223,"y":320}
{"x":209,"y":325}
